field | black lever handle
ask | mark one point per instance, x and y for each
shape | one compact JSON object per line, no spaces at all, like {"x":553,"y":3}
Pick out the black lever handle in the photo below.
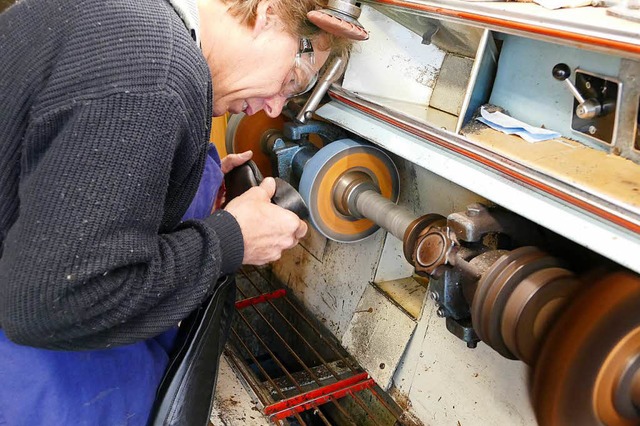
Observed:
{"x":561,"y":72}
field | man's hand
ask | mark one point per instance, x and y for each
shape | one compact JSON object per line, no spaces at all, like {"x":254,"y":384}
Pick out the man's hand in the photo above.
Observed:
{"x":232,"y":161}
{"x":267,"y":229}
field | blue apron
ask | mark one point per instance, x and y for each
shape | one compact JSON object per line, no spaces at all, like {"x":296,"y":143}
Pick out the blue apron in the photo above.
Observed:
{"x":102,"y":387}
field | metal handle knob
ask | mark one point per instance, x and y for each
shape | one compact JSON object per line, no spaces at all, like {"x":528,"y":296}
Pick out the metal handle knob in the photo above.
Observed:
{"x":562,"y":72}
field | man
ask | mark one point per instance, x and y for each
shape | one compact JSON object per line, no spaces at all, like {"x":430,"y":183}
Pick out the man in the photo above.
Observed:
{"x":105,"y":109}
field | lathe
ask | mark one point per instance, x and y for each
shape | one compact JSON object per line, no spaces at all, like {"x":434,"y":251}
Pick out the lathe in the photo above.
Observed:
{"x":472,"y":174}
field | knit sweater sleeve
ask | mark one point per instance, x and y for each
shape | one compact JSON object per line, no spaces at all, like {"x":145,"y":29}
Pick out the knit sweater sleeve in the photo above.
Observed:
{"x":88,"y":263}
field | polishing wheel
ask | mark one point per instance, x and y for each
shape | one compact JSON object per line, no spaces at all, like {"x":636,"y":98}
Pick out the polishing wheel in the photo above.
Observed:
{"x":248,"y":133}
{"x":328,"y":169}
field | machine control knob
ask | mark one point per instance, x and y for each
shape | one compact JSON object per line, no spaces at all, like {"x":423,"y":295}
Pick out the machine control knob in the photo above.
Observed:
{"x":562,"y":72}
{"x":587,"y":108}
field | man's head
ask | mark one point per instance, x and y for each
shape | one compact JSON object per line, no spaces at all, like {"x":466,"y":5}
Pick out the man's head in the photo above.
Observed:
{"x":261,"y":52}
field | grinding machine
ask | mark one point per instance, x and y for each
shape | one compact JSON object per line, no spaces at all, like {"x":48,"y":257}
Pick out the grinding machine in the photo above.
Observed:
{"x":481,"y":275}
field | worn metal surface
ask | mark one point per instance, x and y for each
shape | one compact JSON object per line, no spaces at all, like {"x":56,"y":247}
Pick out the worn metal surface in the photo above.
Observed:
{"x":378,"y":335}
{"x":445,"y":383}
{"x":451,"y":87}
{"x":233,"y":403}
{"x":322,"y":283}
{"x":408,"y":75}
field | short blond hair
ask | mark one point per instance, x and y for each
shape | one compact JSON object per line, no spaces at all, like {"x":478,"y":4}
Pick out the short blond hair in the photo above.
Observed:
{"x":293,"y":14}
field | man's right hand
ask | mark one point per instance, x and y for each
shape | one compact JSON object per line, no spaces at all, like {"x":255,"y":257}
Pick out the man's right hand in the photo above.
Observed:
{"x":267,"y":229}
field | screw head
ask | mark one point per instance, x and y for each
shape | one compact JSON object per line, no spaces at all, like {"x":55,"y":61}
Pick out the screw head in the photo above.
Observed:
{"x":440,"y":312}
{"x":593,"y":130}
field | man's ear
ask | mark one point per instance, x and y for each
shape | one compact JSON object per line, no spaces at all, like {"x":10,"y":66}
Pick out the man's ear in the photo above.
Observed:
{"x":264,"y":17}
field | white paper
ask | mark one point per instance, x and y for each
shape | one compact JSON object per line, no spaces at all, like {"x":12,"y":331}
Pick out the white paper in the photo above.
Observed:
{"x":511,"y":126}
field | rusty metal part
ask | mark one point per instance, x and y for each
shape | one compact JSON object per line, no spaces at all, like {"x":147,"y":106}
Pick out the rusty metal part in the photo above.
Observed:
{"x":433,"y":249}
{"x":479,"y":220}
{"x":415,"y":229}
{"x":472,"y":224}
{"x":497,"y":285}
{"x":325,"y":173}
{"x":250,"y":133}
{"x":587,"y":372}
{"x":485,"y":282}
{"x":500,"y":291}
{"x":533,"y":307}
{"x":480,"y":264}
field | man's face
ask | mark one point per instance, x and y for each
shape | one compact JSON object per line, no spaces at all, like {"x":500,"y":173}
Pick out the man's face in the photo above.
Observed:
{"x":261,"y":78}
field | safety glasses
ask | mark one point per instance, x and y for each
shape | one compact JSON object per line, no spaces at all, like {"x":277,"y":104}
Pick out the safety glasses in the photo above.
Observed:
{"x":303,"y":74}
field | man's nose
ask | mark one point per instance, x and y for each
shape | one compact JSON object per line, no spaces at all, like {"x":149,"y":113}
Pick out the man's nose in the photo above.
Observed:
{"x":273,"y":105}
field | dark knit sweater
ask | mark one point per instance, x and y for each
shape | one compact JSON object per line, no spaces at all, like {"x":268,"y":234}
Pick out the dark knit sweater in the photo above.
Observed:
{"x":105,"y":110}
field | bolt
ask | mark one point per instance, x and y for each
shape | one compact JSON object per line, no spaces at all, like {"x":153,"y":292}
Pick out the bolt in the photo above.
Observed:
{"x":434,"y":296}
{"x":592,"y":130}
{"x":440,"y":312}
{"x":587,"y":85}
{"x":473,"y":211}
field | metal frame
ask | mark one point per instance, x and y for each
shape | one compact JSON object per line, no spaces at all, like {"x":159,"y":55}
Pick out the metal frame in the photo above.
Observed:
{"x":327,"y":390}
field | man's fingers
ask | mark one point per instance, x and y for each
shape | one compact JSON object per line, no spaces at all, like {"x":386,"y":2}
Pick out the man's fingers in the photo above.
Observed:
{"x":302,"y":230}
{"x":232,"y":161}
{"x":269,"y":186}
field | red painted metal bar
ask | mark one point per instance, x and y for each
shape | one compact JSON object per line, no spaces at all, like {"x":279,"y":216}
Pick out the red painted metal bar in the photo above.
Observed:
{"x":315,"y":397}
{"x":350,"y":390}
{"x":260,"y":299}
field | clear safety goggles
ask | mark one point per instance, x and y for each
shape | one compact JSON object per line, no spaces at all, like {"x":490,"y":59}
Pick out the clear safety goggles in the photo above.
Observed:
{"x":303,"y":75}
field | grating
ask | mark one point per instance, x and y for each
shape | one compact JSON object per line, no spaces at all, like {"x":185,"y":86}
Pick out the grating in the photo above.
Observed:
{"x":295,"y":366}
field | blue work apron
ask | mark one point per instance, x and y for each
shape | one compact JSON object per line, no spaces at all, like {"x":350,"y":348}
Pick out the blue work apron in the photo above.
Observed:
{"x":102,"y":387}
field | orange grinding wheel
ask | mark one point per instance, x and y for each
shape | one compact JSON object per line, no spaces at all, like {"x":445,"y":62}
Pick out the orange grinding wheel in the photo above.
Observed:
{"x":587,"y":372}
{"x":246,"y":133}
{"x":321,"y":174}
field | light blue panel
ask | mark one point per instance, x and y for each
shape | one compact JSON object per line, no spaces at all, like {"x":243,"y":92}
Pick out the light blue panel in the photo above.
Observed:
{"x":525,"y":87}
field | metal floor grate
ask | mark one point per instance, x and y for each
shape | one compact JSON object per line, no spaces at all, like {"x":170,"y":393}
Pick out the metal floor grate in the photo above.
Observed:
{"x":297,"y":369}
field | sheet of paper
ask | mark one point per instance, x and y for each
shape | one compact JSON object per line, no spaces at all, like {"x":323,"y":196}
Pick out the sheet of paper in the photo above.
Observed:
{"x":511,"y":126}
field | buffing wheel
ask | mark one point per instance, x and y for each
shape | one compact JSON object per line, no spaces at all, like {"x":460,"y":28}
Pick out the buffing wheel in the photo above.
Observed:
{"x":322,"y":172}
{"x":246,"y":133}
